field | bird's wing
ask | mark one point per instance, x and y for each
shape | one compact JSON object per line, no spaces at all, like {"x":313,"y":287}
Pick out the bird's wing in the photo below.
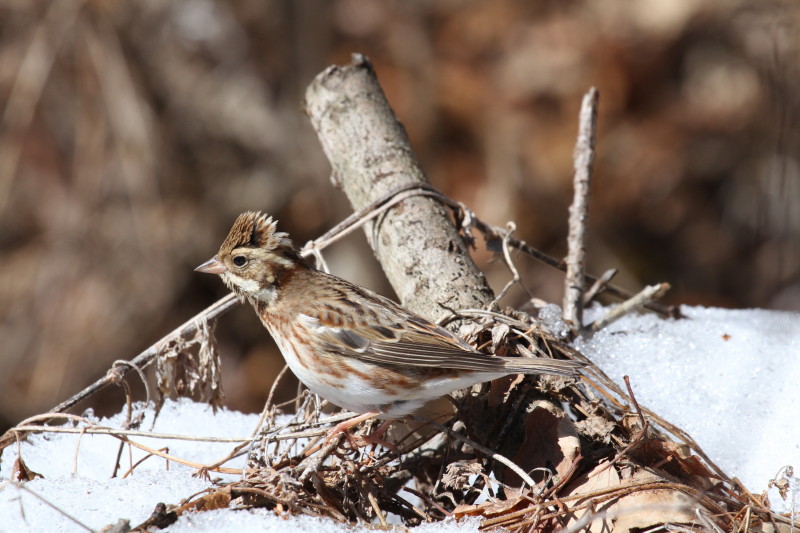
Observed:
{"x":385,"y":333}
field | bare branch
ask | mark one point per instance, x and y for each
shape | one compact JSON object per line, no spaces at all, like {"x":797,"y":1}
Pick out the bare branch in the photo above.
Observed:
{"x":579,"y":210}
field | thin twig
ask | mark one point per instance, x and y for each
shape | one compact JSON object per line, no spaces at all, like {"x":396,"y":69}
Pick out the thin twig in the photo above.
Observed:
{"x":642,"y":419}
{"x":128,"y":432}
{"x":579,"y":211}
{"x":145,"y":382}
{"x":266,"y":411}
{"x":599,"y":285}
{"x":143,"y":459}
{"x":21,"y":486}
{"x":495,"y":232}
{"x":510,"y":227}
{"x":639,"y":300}
{"x":77,"y":452}
{"x":122,"y":435}
{"x":375,"y":507}
{"x":311,"y":464}
{"x":199,"y":466}
{"x":126,"y":424}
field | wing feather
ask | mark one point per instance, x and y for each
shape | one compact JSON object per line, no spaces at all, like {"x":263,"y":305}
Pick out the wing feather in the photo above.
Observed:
{"x":389,"y":335}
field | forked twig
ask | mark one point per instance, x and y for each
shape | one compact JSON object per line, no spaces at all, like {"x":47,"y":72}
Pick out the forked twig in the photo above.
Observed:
{"x":515,"y":277}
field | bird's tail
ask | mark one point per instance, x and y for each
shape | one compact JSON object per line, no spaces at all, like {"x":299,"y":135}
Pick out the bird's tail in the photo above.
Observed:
{"x":541,"y":365}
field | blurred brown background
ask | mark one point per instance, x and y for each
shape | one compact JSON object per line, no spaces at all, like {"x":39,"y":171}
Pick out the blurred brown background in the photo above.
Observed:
{"x":133,"y":133}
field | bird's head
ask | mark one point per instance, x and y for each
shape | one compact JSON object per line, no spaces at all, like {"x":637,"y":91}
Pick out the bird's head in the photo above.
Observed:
{"x":254,"y":258}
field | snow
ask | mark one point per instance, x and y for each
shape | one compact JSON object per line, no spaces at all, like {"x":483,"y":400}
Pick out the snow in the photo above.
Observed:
{"x":90,"y":494}
{"x":267,"y":521}
{"x":728,"y":377}
{"x":96,"y":456}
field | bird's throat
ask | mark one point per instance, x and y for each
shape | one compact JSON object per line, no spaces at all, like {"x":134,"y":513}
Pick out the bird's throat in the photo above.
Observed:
{"x":266,"y":295}
{"x":251,"y":289}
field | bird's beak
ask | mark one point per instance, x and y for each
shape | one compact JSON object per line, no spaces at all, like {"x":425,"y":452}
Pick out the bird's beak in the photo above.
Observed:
{"x":212,"y":266}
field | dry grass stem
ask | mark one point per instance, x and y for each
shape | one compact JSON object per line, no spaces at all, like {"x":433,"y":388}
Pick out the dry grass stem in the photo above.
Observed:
{"x":128,"y":432}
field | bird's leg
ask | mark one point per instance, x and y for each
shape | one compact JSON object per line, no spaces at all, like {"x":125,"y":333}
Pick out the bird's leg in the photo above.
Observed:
{"x":376,"y":437}
{"x":347,"y":425}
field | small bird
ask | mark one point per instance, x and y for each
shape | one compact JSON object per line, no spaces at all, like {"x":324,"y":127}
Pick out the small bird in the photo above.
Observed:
{"x":351,"y":346}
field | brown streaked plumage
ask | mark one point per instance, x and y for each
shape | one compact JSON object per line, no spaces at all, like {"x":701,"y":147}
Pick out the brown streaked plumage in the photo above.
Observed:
{"x":355,"y":348}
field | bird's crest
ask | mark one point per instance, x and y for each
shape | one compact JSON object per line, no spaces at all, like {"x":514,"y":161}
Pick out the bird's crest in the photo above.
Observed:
{"x":255,"y":229}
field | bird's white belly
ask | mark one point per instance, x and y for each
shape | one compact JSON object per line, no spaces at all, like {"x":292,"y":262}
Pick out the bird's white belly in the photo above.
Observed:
{"x":351,"y":392}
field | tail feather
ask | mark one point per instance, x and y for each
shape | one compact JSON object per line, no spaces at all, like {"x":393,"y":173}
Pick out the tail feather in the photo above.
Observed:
{"x":540,"y":365}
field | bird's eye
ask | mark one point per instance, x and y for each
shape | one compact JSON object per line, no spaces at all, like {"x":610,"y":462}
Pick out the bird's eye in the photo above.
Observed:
{"x":239,"y":260}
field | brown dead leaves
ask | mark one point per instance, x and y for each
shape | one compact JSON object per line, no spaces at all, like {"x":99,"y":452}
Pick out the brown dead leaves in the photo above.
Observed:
{"x":551,"y":444}
{"x":605,"y":501}
{"x":21,"y":472}
{"x":650,"y":482}
{"x":181,"y":373}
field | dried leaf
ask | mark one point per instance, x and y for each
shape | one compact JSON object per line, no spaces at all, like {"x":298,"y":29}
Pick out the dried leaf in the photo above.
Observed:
{"x":499,"y":335}
{"x":550,"y":442}
{"x":21,"y":471}
{"x":498,"y":507}
{"x":774,"y":527}
{"x":210,"y":366}
{"x":597,"y":428}
{"x":469,"y":331}
{"x":160,"y":518}
{"x":218,"y":499}
{"x":601,"y":478}
{"x":181,"y":373}
{"x":501,"y":388}
{"x":676,"y":460}
{"x":457,"y":474}
{"x":648,"y":508}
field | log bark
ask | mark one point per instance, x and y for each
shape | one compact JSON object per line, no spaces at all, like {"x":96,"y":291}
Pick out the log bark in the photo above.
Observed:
{"x":416,"y":243}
